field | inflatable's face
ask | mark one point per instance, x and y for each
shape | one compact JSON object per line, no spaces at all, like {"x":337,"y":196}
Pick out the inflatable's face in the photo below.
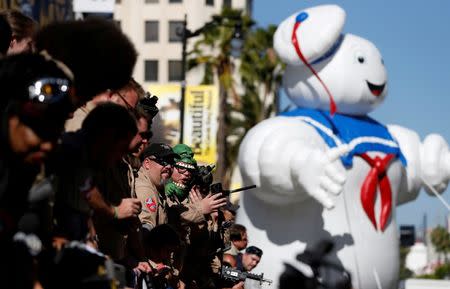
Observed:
{"x":355,"y":76}
{"x":350,"y":67}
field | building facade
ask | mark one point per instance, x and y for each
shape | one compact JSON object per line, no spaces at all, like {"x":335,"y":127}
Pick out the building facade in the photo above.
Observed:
{"x":152,"y":26}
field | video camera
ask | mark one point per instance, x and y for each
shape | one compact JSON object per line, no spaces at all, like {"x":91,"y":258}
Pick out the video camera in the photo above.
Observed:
{"x":235,"y":276}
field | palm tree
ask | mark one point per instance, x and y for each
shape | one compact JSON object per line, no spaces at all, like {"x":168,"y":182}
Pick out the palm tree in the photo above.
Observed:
{"x":440,"y":238}
{"x":260,"y":75}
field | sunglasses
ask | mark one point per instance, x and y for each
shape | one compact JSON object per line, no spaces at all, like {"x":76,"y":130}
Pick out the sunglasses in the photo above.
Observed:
{"x":146,"y":135}
{"x":161,"y":161}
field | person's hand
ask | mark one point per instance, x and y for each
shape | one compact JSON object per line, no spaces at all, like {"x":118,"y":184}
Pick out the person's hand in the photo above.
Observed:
{"x":214,"y":215}
{"x":211,"y":203}
{"x":194,"y":195}
{"x":181,"y":285}
{"x":129,"y":207}
{"x":144,"y":267}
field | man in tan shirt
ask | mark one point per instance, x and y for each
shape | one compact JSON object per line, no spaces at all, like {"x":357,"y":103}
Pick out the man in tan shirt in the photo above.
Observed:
{"x":157,"y":167}
{"x":128,"y":97}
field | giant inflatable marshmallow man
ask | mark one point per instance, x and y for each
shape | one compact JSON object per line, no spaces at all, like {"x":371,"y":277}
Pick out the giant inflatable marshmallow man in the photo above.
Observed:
{"x":327,"y":170}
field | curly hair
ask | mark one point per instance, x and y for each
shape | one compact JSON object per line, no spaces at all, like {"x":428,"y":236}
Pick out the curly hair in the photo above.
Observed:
{"x":99,"y":54}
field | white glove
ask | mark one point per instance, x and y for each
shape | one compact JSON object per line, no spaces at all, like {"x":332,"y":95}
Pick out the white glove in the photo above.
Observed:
{"x":435,"y":162}
{"x":323,"y":175}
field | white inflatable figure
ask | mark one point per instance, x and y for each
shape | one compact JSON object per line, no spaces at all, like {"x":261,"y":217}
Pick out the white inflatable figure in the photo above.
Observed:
{"x":327,"y":170}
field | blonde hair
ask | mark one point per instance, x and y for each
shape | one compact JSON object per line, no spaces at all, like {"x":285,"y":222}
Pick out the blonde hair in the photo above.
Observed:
{"x":135,"y":86}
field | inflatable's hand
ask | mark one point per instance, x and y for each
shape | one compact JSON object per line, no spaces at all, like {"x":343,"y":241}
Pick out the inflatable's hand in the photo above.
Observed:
{"x":427,"y":162}
{"x":435,"y":161}
{"x":409,"y":142}
{"x":288,"y":162}
{"x":323,"y":175}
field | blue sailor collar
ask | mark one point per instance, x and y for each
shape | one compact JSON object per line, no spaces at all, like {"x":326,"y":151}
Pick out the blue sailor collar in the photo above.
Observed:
{"x":362,"y":133}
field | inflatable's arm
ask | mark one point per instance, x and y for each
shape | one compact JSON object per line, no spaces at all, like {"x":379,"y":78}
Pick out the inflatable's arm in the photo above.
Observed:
{"x":289,"y":162}
{"x":428,"y":162}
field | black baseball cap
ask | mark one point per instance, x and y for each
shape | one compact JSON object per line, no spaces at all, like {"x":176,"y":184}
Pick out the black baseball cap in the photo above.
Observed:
{"x":253,"y":250}
{"x":159,"y":151}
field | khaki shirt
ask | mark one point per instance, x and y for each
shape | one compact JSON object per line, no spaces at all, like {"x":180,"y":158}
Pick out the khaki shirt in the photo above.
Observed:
{"x":184,"y":215}
{"x":74,"y":123}
{"x":154,"y":207}
{"x":187,"y":212}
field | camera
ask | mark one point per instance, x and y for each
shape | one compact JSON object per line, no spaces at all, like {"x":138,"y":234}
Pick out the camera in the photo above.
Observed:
{"x":148,"y":103}
{"x":203,"y":177}
{"x":315,"y":272}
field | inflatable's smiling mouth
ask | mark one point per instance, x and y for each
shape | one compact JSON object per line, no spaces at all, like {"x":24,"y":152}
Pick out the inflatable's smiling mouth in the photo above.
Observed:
{"x":375,"y":89}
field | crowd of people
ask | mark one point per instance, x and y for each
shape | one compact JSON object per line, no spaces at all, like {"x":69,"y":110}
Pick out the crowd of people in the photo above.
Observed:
{"x":86,"y":198}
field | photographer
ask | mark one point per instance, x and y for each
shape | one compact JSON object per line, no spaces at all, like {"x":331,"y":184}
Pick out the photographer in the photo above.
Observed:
{"x":204,"y":238}
{"x":181,"y":185}
{"x":102,"y":141}
{"x":238,"y":239}
{"x":161,"y":245}
{"x":23,"y":28}
{"x":250,"y":259}
{"x":157,"y":162}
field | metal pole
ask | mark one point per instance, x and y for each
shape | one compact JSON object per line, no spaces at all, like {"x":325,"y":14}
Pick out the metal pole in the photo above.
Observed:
{"x":183,"y":77}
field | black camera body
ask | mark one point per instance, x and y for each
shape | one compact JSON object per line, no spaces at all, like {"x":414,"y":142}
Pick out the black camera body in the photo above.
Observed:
{"x":148,"y":103}
{"x":325,"y":274}
{"x":203,"y":176}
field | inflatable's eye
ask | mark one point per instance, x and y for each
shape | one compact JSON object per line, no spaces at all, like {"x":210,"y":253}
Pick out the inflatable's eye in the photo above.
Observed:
{"x":360,"y":57}
{"x":382,"y":61}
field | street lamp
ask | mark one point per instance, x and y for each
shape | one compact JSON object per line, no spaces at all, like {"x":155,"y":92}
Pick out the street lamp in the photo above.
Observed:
{"x":185,"y":34}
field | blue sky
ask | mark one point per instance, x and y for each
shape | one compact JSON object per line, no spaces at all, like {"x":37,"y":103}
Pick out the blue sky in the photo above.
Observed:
{"x":414,"y":39}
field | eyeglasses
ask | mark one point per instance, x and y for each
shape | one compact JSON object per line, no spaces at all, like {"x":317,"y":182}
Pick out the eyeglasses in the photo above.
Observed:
{"x":127,"y":104}
{"x":182,"y":170}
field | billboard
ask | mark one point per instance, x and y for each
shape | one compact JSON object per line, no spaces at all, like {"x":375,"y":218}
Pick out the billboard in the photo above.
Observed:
{"x":43,"y":11}
{"x":201,"y":112}
{"x":94,"y":6}
{"x":200,"y":118}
